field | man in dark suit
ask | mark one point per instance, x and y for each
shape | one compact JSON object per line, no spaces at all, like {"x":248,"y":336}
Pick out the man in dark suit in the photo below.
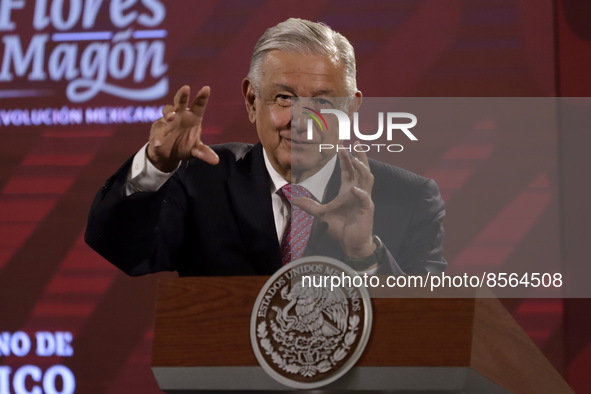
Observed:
{"x":181,"y":205}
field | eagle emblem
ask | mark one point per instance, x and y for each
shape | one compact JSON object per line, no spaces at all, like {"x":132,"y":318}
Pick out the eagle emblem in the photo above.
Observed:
{"x":313,"y":310}
{"x":307,"y":334}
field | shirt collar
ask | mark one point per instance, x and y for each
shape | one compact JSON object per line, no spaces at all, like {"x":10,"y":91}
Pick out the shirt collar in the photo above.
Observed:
{"x":316,"y":184}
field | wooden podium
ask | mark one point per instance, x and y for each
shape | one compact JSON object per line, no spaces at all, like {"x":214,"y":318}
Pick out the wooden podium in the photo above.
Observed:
{"x":462,"y":345}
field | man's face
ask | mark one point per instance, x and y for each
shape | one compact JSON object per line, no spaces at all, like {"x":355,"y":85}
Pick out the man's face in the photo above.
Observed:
{"x":287,"y":76}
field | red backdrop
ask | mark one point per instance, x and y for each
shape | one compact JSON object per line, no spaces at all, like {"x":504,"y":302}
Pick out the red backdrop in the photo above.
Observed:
{"x":51,"y":281}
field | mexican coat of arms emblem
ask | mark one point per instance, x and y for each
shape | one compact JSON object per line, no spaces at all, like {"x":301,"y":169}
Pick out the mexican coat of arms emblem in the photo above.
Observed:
{"x":305,"y":331}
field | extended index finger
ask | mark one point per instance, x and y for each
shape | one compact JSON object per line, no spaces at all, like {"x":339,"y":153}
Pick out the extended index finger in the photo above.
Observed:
{"x":361,"y":164}
{"x":200,"y":102}
{"x":347,"y":169}
{"x":181,"y":98}
{"x":361,"y":155}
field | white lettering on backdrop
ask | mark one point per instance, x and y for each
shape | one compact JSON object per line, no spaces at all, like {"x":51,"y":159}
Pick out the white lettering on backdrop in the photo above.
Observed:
{"x":92,"y":61}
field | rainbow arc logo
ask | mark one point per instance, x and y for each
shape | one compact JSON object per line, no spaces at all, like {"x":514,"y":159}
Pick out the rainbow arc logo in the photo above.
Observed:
{"x":317,"y":117}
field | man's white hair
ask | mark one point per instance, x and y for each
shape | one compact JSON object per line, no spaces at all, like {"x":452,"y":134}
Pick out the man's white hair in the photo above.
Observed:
{"x":306,"y":37}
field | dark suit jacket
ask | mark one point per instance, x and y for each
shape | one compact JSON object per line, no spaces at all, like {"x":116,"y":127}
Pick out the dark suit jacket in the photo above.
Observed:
{"x":218,"y":220}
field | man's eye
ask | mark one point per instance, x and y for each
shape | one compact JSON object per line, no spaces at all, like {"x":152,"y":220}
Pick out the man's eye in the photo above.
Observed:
{"x":322,"y":103}
{"x":283,"y":100}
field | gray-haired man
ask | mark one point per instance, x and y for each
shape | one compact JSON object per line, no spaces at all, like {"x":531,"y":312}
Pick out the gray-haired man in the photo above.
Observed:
{"x":181,"y":205}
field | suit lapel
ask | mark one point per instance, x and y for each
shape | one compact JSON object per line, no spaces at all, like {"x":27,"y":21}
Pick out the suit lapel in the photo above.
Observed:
{"x":334,"y":184}
{"x":249,"y":191}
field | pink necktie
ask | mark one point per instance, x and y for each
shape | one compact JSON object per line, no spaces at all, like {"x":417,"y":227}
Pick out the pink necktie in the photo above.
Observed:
{"x":297,"y":232}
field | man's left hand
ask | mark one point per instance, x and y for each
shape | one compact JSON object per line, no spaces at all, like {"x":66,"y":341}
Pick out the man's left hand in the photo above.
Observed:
{"x":350,"y":215}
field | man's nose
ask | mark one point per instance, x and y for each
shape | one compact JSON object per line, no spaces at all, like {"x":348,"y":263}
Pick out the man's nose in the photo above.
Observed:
{"x":299,"y":121}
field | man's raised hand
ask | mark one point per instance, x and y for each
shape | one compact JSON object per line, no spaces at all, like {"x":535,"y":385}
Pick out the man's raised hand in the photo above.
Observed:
{"x":177,"y":135}
{"x":350,"y":215}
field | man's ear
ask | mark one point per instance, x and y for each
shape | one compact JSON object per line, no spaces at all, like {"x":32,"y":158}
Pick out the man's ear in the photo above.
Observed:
{"x":249,"y":99}
{"x":355,"y":103}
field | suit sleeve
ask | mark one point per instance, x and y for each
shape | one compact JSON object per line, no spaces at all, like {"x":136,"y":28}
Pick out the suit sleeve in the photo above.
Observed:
{"x":417,"y":247}
{"x":422,"y":247}
{"x":141,"y":233}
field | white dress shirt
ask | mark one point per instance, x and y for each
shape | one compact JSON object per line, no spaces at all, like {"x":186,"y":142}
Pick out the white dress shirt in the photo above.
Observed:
{"x":316,"y":185}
